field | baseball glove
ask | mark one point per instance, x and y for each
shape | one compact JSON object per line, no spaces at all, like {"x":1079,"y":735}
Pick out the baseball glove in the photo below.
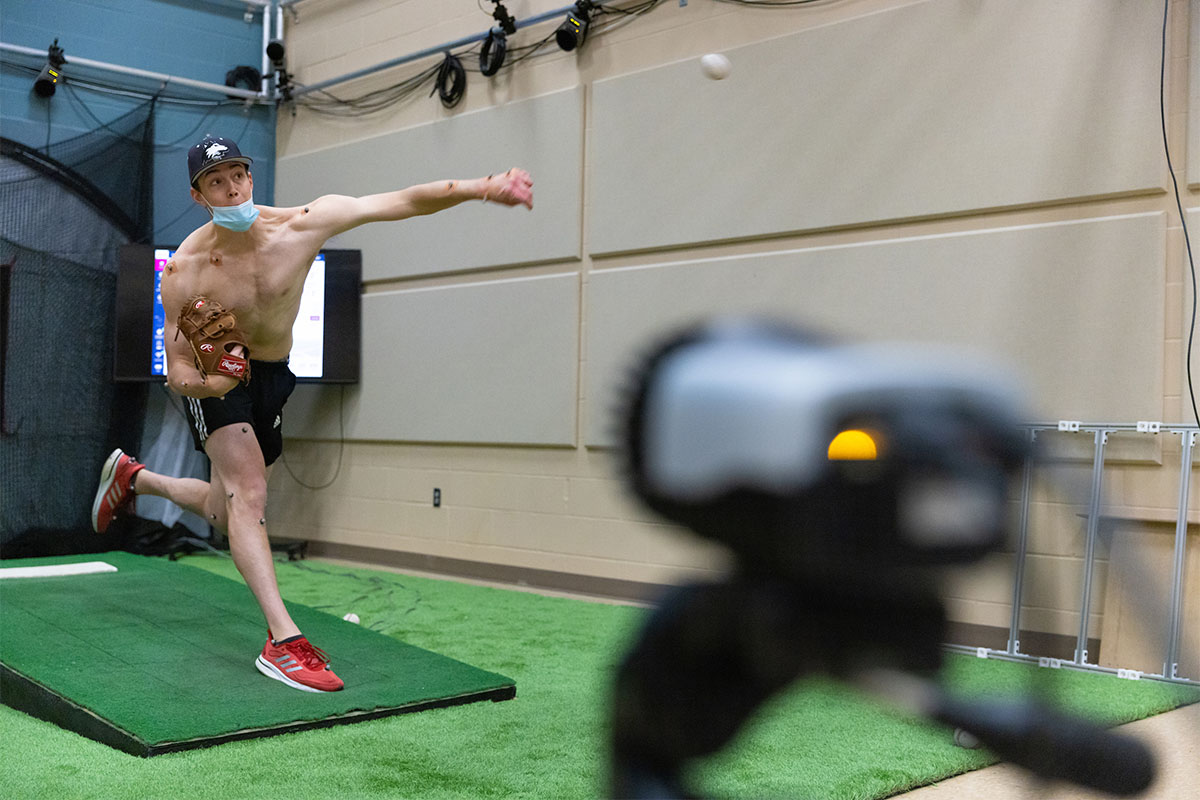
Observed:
{"x":212,"y":332}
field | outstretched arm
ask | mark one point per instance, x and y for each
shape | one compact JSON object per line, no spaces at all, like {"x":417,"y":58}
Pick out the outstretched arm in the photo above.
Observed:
{"x":333,"y":214}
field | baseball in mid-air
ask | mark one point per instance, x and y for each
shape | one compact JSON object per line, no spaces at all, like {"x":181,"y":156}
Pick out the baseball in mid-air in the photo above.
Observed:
{"x":715,"y":66}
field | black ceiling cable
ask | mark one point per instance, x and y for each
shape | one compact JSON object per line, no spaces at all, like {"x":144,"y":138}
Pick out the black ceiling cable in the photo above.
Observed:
{"x":450,"y":76}
{"x":772,"y":3}
{"x":451,"y":81}
{"x":324,"y":102}
{"x":341,"y":448}
{"x":213,"y":106}
{"x":491,"y":58}
{"x":1162,"y":108}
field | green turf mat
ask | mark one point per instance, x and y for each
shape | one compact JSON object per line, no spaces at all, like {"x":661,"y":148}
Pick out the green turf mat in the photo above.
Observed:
{"x":823,"y":739}
{"x":819,"y":740}
{"x":165,"y":652}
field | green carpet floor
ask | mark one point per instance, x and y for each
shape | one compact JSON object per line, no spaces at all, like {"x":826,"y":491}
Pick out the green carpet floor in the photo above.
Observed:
{"x":819,"y":740}
{"x":165,"y":653}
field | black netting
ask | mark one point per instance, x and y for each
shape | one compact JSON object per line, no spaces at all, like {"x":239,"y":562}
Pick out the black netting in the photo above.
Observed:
{"x":60,"y":411}
{"x":58,"y":390}
{"x":111,"y":168}
{"x":37,"y":213}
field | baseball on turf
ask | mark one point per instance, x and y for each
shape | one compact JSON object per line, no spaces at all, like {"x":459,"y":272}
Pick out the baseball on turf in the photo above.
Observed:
{"x":351,"y":617}
{"x":715,"y":66}
{"x":965,"y":740}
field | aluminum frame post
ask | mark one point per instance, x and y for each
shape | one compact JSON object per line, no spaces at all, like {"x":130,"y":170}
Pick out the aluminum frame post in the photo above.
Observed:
{"x":1014,"y":627}
{"x":266,"y":40}
{"x":1171,"y":662}
{"x":1093,"y":528}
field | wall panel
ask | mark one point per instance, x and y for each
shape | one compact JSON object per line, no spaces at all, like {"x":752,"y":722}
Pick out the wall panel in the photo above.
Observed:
{"x":935,"y":108}
{"x":543,"y":135}
{"x":1076,"y":307}
{"x":493,"y":362}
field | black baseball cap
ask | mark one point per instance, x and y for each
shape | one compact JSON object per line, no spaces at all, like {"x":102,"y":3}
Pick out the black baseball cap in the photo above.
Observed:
{"x":210,"y":151}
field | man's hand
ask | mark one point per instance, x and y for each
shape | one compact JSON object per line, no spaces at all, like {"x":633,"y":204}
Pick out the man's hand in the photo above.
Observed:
{"x":219,"y":384}
{"x":184,"y":378}
{"x":513,"y":188}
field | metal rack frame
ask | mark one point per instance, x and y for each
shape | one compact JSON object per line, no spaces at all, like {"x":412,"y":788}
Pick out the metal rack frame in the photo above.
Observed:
{"x":1100,"y":433}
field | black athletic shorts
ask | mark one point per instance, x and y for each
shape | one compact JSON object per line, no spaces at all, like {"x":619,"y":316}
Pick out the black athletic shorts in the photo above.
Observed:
{"x":259,"y":403}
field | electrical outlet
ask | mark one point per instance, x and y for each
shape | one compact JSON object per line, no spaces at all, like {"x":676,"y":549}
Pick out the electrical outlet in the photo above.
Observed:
{"x":437,"y":498}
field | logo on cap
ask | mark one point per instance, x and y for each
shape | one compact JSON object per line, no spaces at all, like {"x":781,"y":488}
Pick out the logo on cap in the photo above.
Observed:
{"x":214,"y":150}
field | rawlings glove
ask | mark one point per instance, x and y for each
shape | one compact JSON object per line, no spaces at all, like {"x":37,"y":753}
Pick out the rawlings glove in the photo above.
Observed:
{"x":212,"y":332}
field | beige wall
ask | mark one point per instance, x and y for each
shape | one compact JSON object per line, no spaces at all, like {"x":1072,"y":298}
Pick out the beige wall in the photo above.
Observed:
{"x":987,"y":172}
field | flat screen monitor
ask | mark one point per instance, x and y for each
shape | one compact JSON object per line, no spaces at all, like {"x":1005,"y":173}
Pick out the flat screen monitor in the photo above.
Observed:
{"x":326,"y":337}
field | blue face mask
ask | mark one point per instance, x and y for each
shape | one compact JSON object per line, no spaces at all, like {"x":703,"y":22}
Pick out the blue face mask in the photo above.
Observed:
{"x":236,"y":218}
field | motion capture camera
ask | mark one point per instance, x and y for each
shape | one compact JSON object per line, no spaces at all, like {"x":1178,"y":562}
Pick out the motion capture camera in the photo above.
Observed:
{"x":806,"y":456}
{"x":47,"y":80}
{"x":277,"y":53}
{"x":507,"y":24}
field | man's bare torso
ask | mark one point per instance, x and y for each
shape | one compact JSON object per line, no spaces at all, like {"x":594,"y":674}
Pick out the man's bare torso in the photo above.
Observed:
{"x":259,"y":277}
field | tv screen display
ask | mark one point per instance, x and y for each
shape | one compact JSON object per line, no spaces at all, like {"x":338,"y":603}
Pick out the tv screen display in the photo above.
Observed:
{"x":325,"y":337}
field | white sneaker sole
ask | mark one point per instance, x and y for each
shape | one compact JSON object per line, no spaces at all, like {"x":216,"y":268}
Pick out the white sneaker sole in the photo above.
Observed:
{"x":271,"y":671}
{"x":107,"y":473}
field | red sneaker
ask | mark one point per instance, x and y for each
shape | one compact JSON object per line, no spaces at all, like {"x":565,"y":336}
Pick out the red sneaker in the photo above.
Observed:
{"x":298,"y":664}
{"x":115,"y":491}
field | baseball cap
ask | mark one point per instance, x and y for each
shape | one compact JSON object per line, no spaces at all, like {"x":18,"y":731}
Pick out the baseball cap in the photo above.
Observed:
{"x":210,"y":151}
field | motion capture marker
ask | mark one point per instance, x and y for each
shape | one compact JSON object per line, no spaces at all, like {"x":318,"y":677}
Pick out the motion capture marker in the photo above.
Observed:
{"x":213,"y":516}
{"x":853,"y":445}
{"x":262,"y":520}
{"x":231,"y":495}
{"x":243,"y":430}
{"x":306,"y":209}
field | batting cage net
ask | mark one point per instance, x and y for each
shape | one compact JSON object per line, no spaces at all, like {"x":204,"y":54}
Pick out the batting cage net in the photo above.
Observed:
{"x":63,"y":218}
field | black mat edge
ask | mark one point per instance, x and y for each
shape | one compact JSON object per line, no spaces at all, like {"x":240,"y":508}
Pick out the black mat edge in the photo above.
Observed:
{"x":30,"y":697}
{"x":495,"y":695}
{"x":27,"y":695}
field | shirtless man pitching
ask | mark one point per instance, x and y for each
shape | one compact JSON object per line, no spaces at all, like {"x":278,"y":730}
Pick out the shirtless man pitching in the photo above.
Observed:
{"x":253,"y":260}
